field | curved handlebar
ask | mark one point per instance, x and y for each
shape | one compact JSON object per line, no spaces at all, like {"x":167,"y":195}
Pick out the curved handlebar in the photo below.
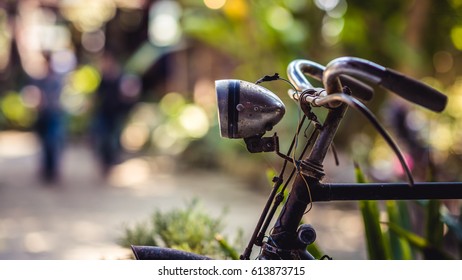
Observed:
{"x":297,"y":70}
{"x":406,"y":87}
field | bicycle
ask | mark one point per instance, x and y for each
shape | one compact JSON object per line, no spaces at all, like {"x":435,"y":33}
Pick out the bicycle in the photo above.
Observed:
{"x":248,"y":111}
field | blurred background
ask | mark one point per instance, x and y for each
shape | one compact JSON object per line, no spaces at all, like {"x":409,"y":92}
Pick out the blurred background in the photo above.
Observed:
{"x":107,"y":111}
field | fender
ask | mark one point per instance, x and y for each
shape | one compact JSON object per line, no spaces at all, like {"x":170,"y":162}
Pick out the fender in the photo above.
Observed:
{"x":158,"y":253}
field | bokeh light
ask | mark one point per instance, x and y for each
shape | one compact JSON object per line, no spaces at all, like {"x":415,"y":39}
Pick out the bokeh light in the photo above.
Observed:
{"x":130,"y":87}
{"x":63,"y":61}
{"x":88,"y":15}
{"x":456,"y":37}
{"x":454,"y":107}
{"x":85,"y":80}
{"x":15,"y":111}
{"x":236,"y":9}
{"x":172,"y":104}
{"x":339,"y":10}
{"x":279,"y":18}
{"x":130,"y":173}
{"x":53,"y":37}
{"x":135,"y":136}
{"x":170,"y":138}
{"x":326,"y":5}
{"x":93,"y":41}
{"x":443,"y":61}
{"x":331,"y":29}
{"x":164,"y":29}
{"x":147,"y":113}
{"x":194,"y":121}
{"x":73,"y":101}
{"x":31,"y":96}
{"x":214,"y":4}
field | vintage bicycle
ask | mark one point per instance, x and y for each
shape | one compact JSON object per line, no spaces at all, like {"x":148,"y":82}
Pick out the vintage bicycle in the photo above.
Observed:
{"x":248,"y":111}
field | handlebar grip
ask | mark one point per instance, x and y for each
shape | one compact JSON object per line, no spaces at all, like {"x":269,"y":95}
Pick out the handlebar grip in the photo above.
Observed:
{"x":408,"y":88}
{"x":413,"y":90}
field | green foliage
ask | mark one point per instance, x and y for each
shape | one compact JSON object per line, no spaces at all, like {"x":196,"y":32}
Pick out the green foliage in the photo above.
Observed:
{"x":398,"y":214}
{"x":396,"y":239}
{"x":429,"y":250}
{"x":189,"y":229}
{"x":315,"y":251}
{"x":227,"y":249}
{"x":139,"y":234}
{"x":376,"y":246}
{"x":435,"y":227}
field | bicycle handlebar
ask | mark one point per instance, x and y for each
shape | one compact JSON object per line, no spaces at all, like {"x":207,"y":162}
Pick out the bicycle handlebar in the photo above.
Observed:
{"x":297,"y":70}
{"x":284,"y":231}
{"x":408,"y":88}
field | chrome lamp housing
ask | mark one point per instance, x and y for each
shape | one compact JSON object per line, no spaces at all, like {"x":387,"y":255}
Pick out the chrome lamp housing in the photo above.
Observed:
{"x":245,"y":109}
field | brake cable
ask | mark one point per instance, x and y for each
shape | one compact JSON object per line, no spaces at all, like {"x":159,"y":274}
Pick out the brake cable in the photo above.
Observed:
{"x":356,"y":104}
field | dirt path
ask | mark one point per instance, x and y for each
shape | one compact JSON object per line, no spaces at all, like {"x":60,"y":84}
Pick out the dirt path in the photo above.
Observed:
{"x":83,"y":216}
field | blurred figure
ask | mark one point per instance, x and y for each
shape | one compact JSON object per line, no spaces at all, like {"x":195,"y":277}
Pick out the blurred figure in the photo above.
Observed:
{"x":407,"y":127}
{"x":50,"y":124}
{"x":116,"y":95}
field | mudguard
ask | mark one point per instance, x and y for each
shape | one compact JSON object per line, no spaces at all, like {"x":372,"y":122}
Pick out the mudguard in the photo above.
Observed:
{"x":159,"y":253}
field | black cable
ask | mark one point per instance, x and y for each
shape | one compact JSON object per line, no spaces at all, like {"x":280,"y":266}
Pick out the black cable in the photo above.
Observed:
{"x":356,"y":104}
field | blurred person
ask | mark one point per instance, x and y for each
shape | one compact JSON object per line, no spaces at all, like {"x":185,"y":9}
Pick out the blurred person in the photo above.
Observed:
{"x":407,"y":129}
{"x":116,"y":94}
{"x":50,"y":124}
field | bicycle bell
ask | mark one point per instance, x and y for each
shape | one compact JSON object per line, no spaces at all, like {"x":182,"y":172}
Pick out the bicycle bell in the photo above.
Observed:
{"x":246,"y":109}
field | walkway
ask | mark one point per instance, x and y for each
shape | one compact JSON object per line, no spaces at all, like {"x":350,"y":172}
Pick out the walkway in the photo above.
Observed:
{"x":83,"y":216}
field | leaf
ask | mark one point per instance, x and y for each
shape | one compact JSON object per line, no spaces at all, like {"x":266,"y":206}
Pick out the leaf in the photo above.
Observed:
{"x":434,"y":227}
{"x":226,"y":248}
{"x":413,"y":238}
{"x":421,"y":243}
{"x":376,"y":247}
{"x":400,"y":247}
{"x":314,"y":250}
{"x":360,"y":178}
